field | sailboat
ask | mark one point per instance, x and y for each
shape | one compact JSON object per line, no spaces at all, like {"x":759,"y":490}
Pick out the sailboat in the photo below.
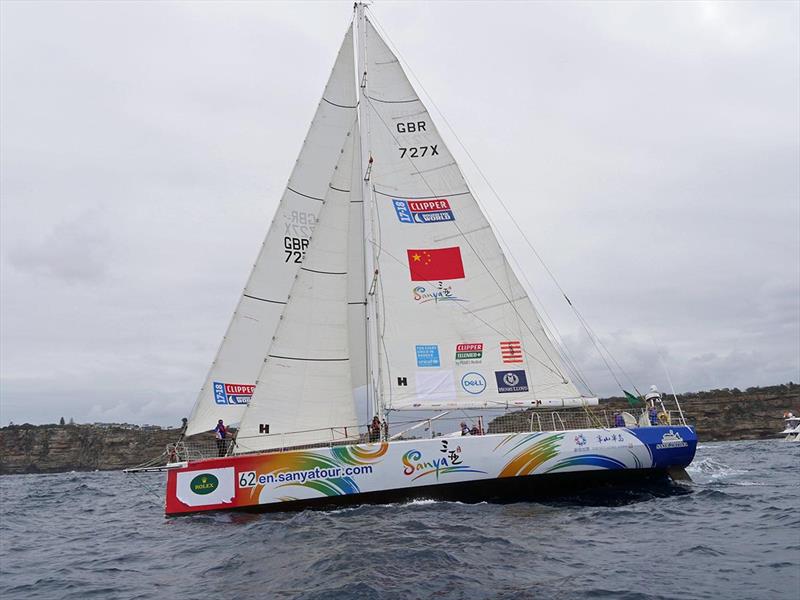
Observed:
{"x":380,"y":275}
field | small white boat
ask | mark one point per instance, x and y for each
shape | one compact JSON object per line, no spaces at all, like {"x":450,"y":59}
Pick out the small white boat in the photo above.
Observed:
{"x":792,"y":429}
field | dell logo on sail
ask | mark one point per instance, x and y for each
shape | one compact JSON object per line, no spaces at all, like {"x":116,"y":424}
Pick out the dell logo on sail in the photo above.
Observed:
{"x":473,"y":383}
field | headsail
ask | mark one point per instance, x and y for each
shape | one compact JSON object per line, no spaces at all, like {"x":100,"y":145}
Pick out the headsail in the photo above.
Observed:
{"x":231,"y":378}
{"x":457,"y":327}
{"x":304,"y":392}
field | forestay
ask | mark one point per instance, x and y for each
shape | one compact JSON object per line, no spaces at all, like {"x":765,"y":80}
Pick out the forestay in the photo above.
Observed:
{"x":231,"y":378}
{"x":457,"y":328}
{"x":304,"y":392}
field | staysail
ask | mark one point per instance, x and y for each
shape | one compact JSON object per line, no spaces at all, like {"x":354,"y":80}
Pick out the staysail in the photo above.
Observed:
{"x":457,"y":328}
{"x":304,"y":393}
{"x":231,"y":379}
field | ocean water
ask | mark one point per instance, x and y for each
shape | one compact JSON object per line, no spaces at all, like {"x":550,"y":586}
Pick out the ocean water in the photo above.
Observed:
{"x":732,"y":533}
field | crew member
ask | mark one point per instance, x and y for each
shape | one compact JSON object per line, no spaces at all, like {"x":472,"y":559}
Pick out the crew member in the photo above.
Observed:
{"x":220,"y":432}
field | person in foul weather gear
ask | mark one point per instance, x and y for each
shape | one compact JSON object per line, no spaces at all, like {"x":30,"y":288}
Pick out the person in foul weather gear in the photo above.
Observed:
{"x":220,"y":432}
{"x":651,"y":398}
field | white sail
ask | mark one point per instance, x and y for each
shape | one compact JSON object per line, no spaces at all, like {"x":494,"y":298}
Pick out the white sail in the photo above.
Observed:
{"x":304,"y":392}
{"x":457,"y":328}
{"x":231,"y":378}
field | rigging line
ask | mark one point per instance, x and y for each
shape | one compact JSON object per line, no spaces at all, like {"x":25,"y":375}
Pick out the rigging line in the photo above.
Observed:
{"x":478,"y":256}
{"x":475,"y":315}
{"x":614,"y":360}
{"x":381,"y":296}
{"x":480,"y":171}
{"x":560,"y":347}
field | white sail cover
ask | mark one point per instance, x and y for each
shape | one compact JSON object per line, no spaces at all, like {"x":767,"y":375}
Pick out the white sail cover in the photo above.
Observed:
{"x":231,"y":378}
{"x":304,"y":393}
{"x":458,"y":329}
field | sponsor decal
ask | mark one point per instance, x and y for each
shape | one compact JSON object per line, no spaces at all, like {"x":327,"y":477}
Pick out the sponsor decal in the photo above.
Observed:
{"x":232,"y":393}
{"x":435,"y":293}
{"x":423,"y":211}
{"x":207,"y":487}
{"x":416,"y":466}
{"x":511,"y":381}
{"x":511,"y":351}
{"x":469,"y":353}
{"x":204,"y":483}
{"x":671,"y":439}
{"x":473,"y":383}
{"x":580,"y":440}
{"x":434,"y":264}
{"x":428,"y":356}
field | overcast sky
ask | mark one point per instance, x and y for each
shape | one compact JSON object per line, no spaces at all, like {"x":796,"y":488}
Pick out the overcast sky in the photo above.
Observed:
{"x":650,"y":151}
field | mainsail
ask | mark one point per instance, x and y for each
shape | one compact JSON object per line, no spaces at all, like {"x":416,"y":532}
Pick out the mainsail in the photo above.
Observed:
{"x":231,"y":379}
{"x":457,"y":328}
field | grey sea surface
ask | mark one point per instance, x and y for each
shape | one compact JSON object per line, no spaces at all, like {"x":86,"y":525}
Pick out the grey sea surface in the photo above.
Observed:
{"x":732,"y":533}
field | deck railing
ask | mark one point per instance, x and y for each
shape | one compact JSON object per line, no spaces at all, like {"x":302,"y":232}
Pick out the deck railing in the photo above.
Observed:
{"x":515,"y":422}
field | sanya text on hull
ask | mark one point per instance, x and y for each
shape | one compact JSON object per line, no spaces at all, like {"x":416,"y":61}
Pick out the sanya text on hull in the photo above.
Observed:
{"x":380,"y":280}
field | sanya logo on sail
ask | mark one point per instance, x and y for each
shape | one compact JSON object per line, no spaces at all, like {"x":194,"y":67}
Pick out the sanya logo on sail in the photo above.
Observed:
{"x":671,"y":439}
{"x":203,"y":484}
{"x":435,"y":293}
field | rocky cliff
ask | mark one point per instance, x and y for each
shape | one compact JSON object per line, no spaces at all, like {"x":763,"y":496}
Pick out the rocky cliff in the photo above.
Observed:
{"x":718,"y":415}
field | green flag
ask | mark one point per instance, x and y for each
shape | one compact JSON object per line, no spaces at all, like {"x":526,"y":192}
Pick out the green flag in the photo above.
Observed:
{"x":632,"y":400}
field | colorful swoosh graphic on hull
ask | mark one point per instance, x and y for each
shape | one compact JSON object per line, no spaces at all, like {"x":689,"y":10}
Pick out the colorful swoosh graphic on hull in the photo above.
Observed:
{"x":587,"y":460}
{"x":528,"y":460}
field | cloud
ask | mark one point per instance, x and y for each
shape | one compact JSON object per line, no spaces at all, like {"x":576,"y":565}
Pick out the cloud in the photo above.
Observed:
{"x":649,"y":151}
{"x":75,"y":251}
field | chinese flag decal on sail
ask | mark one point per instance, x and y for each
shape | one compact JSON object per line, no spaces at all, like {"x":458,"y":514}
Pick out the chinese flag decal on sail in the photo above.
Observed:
{"x":435,"y":264}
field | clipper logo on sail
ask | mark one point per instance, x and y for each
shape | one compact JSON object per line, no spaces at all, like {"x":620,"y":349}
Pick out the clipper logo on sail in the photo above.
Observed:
{"x":232,"y":393}
{"x":423,"y":211}
{"x":467,"y":354}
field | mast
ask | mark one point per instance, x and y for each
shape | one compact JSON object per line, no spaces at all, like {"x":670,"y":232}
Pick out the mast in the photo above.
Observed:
{"x":370,"y":254}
